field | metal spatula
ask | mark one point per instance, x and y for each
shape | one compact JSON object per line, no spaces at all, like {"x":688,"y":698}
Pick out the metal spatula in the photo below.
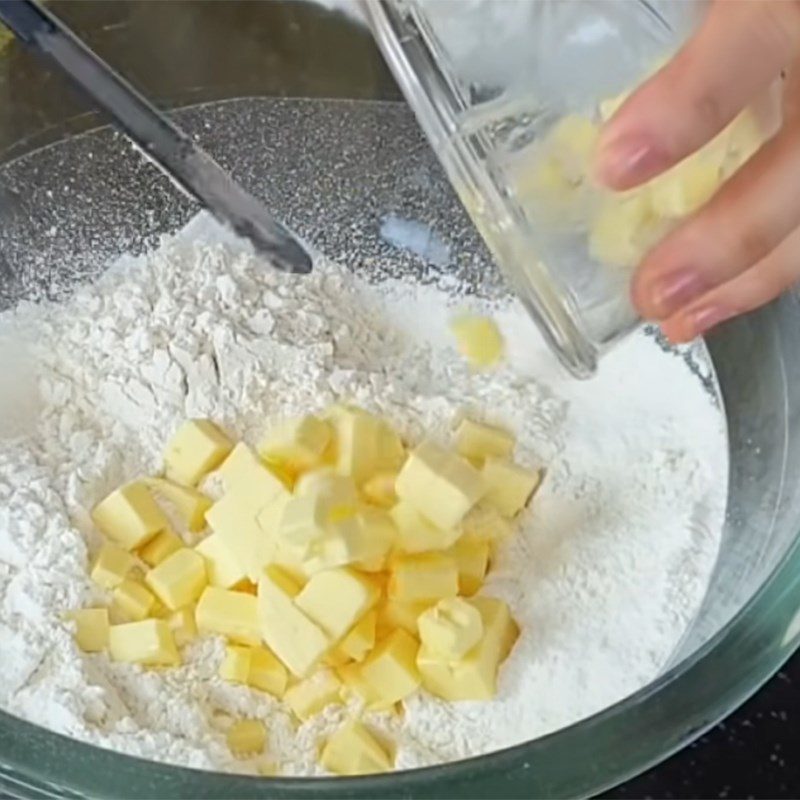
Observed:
{"x":192,"y":170}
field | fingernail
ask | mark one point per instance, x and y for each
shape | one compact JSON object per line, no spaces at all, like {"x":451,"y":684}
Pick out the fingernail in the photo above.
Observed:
{"x":704,"y":319}
{"x":673,"y":291}
{"x":628,"y":159}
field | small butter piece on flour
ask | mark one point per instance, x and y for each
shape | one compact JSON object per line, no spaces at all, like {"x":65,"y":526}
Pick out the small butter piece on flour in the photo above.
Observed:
{"x":130,"y":516}
{"x":478,"y":339}
{"x":91,"y":629}
{"x":196,"y":448}
{"x":246,"y":738}
{"x":442,"y":486}
{"x":353,"y":750}
{"x":148,"y":642}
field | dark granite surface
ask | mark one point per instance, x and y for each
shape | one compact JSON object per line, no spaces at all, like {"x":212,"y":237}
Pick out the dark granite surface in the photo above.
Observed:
{"x":755,"y":753}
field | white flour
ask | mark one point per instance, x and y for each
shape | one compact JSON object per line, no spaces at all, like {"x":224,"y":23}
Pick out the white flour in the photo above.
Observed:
{"x":604,"y":577}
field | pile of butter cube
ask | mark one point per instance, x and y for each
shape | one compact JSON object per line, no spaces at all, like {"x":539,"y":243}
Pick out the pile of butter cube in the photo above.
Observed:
{"x":336,"y":564}
{"x":554,"y":180}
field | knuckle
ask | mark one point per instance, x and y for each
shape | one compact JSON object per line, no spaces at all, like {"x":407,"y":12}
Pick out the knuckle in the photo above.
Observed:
{"x":754,"y":241}
{"x":709,"y":110}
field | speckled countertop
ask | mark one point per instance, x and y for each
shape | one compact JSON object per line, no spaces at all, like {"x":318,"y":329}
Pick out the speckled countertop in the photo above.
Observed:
{"x":753,"y":754}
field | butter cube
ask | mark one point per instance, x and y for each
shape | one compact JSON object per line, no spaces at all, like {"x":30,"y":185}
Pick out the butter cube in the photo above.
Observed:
{"x":509,"y":486}
{"x":378,"y":536}
{"x":190,"y":503}
{"x":246,"y":738}
{"x":303,"y":522}
{"x":338,"y":490}
{"x":365,"y":444}
{"x":297,"y":641}
{"x":235,"y":666}
{"x":310,"y":696}
{"x":231,"y":614}
{"x":379,"y":489}
{"x":247,"y":478}
{"x":572,"y":141}
{"x":179,"y":579}
{"x":132,"y":601}
{"x":360,"y":640}
{"x":472,"y":561}
{"x":391,"y":669}
{"x":478,"y":339}
{"x":474,"y":677}
{"x":111,"y":566}
{"x":475,"y":441}
{"x":451,"y":628}
{"x":298,"y":444}
{"x":353,"y":750}
{"x":485,"y":524}
{"x":336,"y":600}
{"x":442,"y":486}
{"x":355,"y":685}
{"x":148,"y":642}
{"x":267,"y":673}
{"x":393,"y":614}
{"x":684,"y":188}
{"x":235,"y":517}
{"x":429,"y":576}
{"x":91,"y":629}
{"x":615,"y":237}
{"x":222,"y":567}
{"x":161,"y":546}
{"x":197,"y":447}
{"x":182,"y":625}
{"x":416,"y":534}
{"x":364,"y":540}
{"x":130,"y":516}
{"x":239,"y":464}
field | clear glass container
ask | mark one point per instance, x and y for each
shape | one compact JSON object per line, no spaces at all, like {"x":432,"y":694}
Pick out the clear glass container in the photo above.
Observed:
{"x":304,"y":93}
{"x":488,"y":81}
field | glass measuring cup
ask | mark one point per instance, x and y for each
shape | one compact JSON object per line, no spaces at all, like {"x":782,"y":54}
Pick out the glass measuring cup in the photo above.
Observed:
{"x":490,"y":81}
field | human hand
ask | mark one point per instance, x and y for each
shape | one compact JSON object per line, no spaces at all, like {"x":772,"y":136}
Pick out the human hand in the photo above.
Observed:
{"x":741,"y":249}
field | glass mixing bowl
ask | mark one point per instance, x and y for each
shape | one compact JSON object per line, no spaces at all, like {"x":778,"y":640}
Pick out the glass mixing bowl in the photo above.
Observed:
{"x":337,"y":153}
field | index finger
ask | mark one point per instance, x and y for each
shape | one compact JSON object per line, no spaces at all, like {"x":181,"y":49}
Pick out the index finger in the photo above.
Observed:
{"x":740,"y":48}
